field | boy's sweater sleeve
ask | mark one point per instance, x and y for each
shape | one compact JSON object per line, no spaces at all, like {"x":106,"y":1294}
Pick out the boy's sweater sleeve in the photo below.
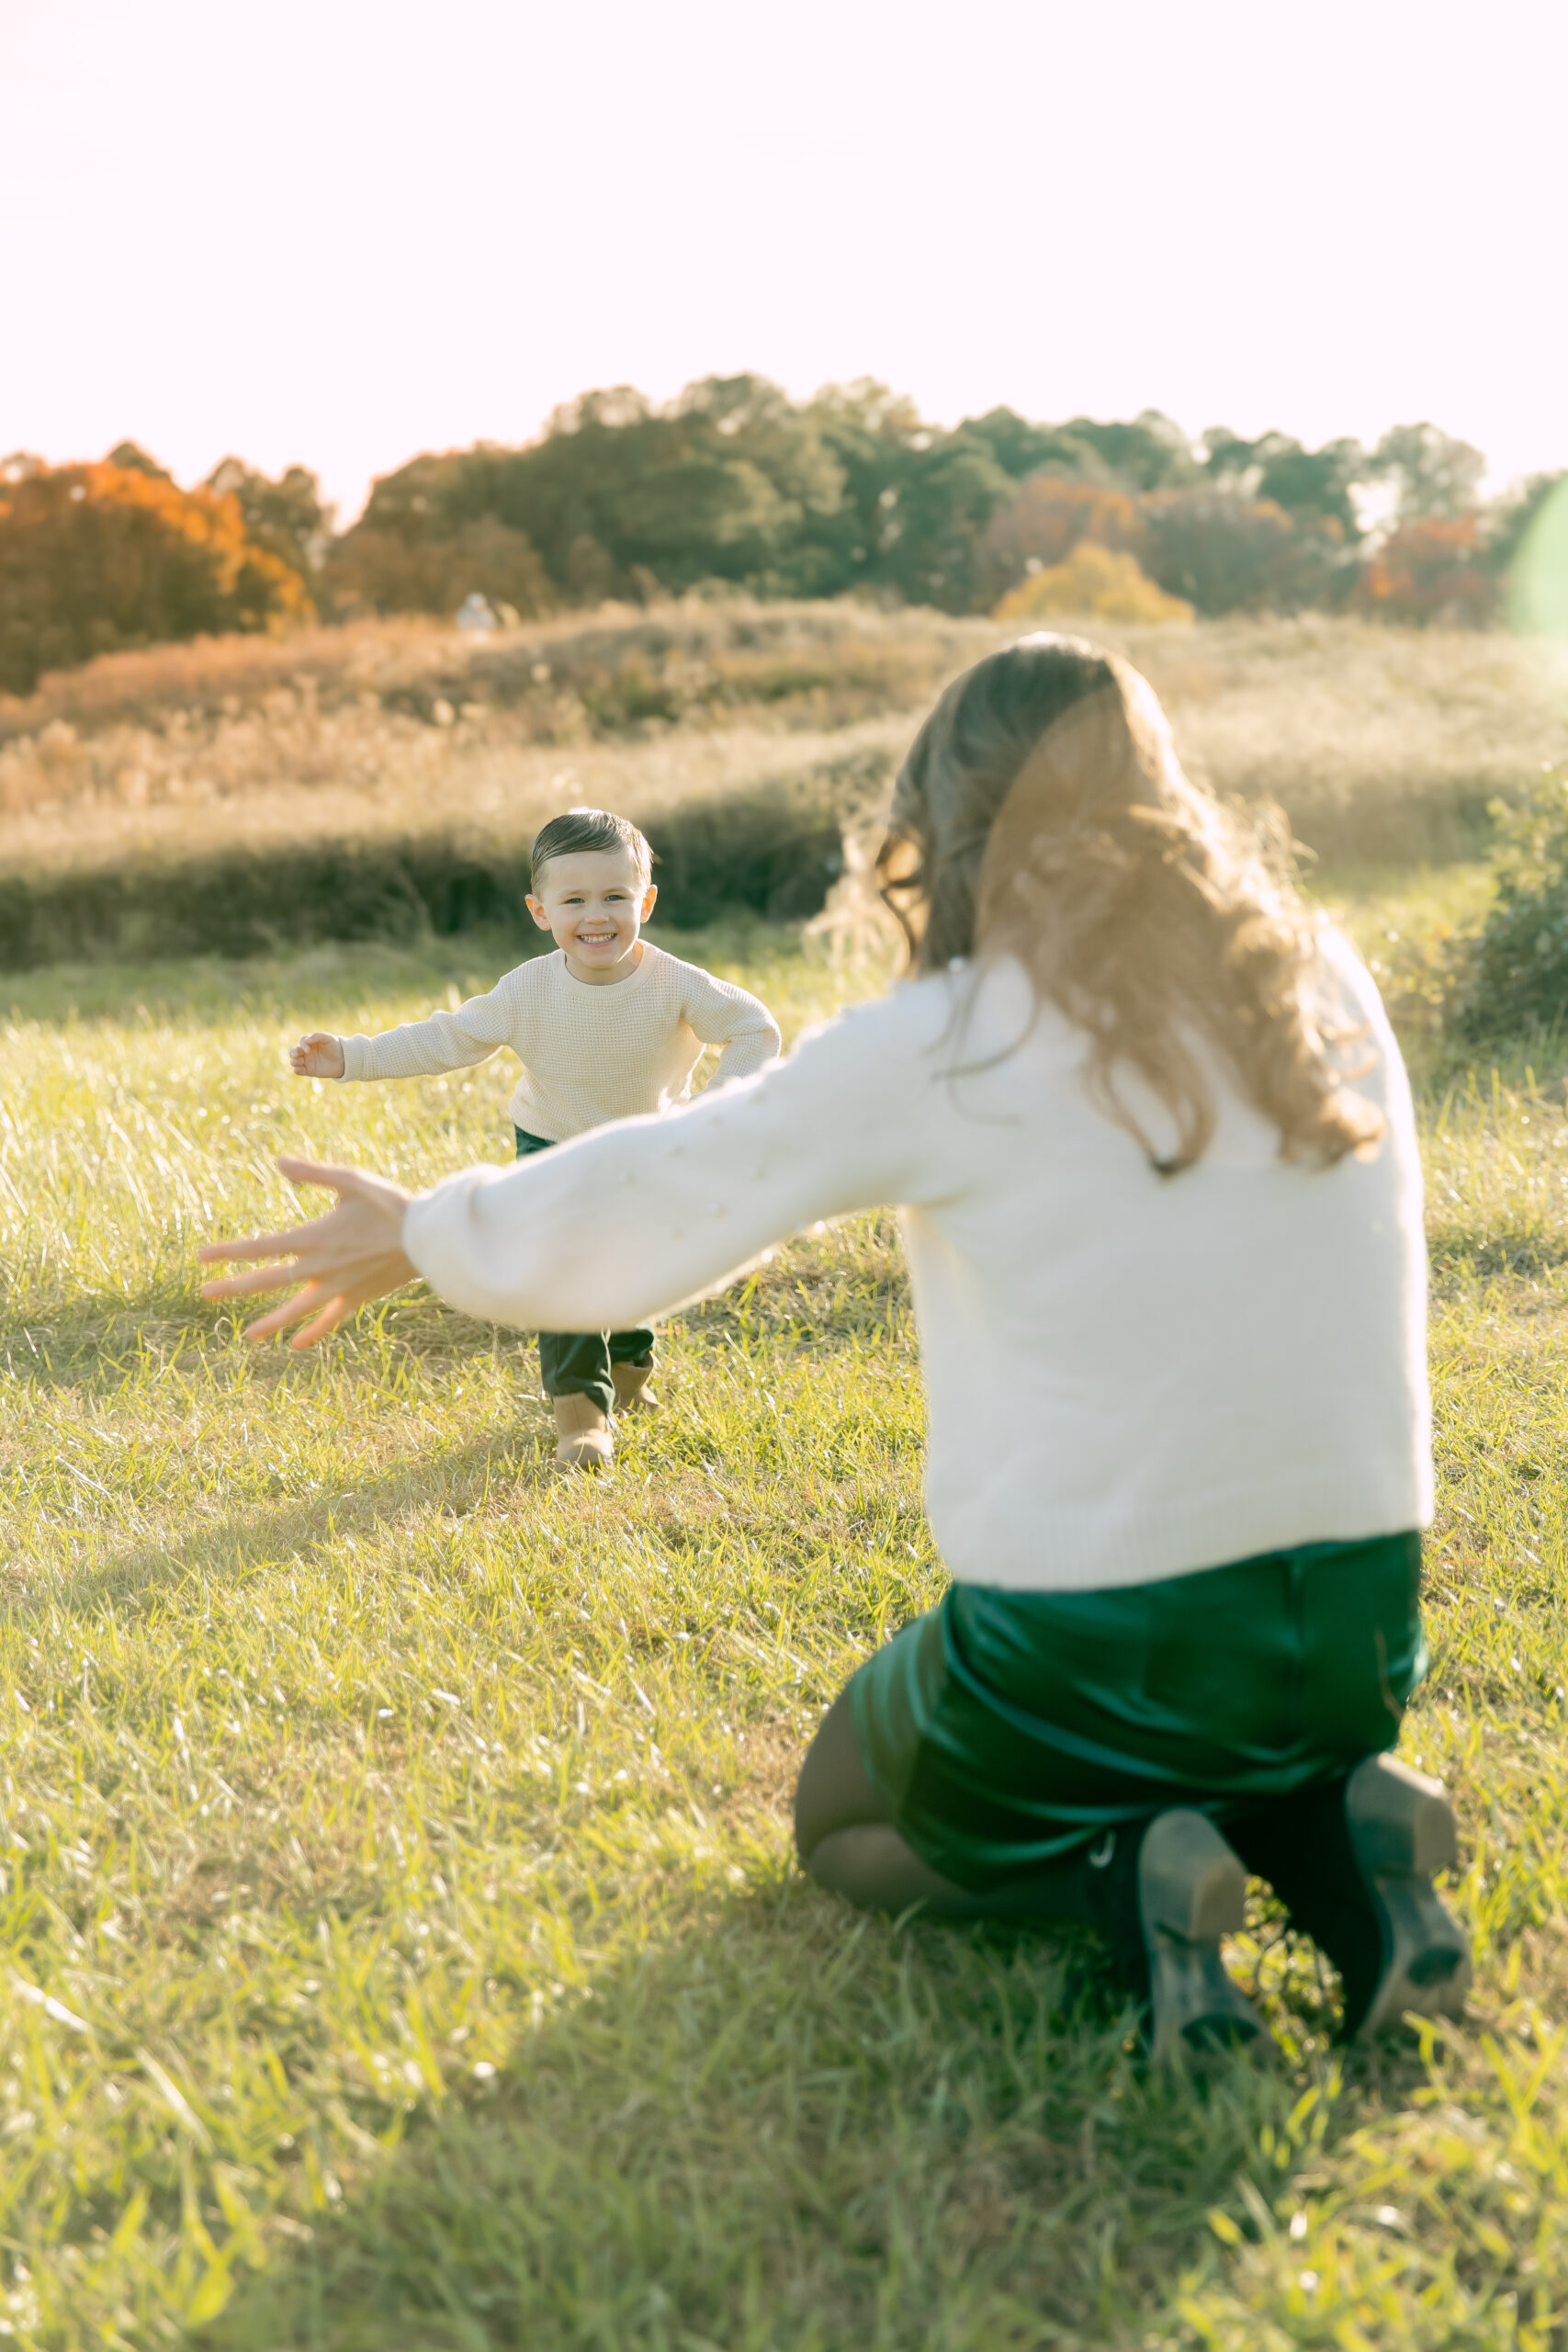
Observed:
{"x":620,"y":1226}
{"x":446,"y":1041}
{"x":722,"y":1014}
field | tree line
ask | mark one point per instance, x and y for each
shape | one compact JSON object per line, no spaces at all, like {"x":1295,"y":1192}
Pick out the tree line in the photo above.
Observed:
{"x":733,"y":486}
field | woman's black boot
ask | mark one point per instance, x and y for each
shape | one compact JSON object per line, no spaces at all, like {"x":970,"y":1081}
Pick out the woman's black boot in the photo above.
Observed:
{"x":1352,"y":1860}
{"x":1401,"y":1829}
{"x":1165,"y":1900}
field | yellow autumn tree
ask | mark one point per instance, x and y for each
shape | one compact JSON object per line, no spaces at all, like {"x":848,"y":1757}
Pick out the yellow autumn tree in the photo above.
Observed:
{"x":1098,"y":582}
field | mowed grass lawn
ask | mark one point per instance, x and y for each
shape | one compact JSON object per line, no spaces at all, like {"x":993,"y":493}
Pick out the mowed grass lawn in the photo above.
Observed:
{"x":402,"y":1946}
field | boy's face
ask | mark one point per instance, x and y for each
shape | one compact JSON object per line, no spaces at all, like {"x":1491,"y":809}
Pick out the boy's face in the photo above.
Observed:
{"x":593,"y":902}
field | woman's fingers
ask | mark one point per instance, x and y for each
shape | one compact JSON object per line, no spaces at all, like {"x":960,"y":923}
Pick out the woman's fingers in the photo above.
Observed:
{"x":257,"y":1245}
{"x":321,"y":1171}
{"x":326,"y":1310}
{"x":246,"y":1285}
{"x":307,"y":1302}
{"x":326,"y":1322}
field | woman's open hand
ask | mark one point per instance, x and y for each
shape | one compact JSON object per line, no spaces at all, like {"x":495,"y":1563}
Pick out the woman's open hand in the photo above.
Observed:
{"x":352,"y":1253}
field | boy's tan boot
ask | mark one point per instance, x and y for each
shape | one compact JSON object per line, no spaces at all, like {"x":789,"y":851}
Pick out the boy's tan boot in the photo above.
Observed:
{"x":583,"y":1434}
{"x":631,"y":1385}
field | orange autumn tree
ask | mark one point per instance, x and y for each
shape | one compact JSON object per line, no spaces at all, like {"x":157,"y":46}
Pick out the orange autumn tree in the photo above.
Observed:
{"x":1431,"y":570}
{"x":1042,"y":524}
{"x":98,"y":558}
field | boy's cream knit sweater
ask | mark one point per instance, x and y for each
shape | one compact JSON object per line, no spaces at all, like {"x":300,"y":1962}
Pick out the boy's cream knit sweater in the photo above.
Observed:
{"x":588,"y":1053}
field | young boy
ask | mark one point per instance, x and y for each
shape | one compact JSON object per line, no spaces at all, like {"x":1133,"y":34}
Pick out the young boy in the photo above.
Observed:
{"x":607,"y":1027}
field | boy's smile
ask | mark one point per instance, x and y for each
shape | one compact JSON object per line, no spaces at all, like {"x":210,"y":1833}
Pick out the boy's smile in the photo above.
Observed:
{"x":593,"y":902}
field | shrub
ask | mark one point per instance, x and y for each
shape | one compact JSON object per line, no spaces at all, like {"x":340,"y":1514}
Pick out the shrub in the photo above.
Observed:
{"x":1519,"y":975}
{"x":1214,"y":548}
{"x":1435,"y":570}
{"x":774,"y":848}
{"x":1042,"y":524}
{"x":96,"y":558}
{"x":1228,"y":554}
{"x":1096,"y":582}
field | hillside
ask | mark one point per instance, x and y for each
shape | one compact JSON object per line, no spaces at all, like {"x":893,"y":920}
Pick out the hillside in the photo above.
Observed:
{"x":406,"y":750}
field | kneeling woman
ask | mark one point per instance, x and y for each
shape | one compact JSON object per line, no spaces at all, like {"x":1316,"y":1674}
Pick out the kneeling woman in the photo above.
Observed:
{"x":1152,"y":1144}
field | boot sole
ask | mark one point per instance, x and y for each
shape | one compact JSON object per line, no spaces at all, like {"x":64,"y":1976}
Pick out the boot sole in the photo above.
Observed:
{"x":1192,"y":1891}
{"x":1402,"y":1830}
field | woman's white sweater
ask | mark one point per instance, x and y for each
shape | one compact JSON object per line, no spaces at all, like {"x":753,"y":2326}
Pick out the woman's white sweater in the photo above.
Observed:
{"x":1129,"y":1376}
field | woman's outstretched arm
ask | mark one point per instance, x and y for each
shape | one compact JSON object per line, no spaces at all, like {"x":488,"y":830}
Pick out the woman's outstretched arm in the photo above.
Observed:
{"x":625,"y":1224}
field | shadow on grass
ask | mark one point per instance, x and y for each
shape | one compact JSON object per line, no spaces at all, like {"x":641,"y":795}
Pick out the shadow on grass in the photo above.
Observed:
{"x":789,"y":2127}
{"x":94,"y":1345}
{"x":809,"y":1296}
{"x":792,"y":2127}
{"x":1458,"y":1257}
{"x":260,"y":1534}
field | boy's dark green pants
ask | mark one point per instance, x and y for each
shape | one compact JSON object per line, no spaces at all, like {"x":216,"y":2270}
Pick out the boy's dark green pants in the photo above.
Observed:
{"x":577,"y":1363}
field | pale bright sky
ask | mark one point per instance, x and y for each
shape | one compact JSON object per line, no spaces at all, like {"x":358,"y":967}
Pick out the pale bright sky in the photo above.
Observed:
{"x":338,"y":232}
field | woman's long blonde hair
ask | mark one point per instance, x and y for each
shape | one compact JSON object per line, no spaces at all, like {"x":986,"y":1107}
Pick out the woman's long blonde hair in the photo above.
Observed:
{"x":1043,"y":813}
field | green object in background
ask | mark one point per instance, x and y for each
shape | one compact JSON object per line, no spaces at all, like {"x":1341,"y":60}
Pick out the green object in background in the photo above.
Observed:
{"x":1538,"y":588}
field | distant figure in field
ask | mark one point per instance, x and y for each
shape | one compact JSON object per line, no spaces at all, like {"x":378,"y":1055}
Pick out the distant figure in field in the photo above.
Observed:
{"x":607,"y":1027}
{"x":474,"y":613}
{"x":1161,"y":1199}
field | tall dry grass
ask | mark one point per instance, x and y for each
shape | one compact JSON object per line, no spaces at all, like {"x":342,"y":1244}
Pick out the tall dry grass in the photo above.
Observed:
{"x":388,"y":728}
{"x":1383,"y":746}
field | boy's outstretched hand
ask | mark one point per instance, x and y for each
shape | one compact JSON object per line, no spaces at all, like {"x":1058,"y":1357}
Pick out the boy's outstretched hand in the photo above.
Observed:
{"x":352,"y":1253}
{"x":317,"y":1055}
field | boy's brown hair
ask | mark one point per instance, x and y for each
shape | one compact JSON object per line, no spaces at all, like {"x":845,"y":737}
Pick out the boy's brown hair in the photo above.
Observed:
{"x":589,"y":828}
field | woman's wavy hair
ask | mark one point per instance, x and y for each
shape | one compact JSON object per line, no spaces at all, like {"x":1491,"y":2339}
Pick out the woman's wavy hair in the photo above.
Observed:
{"x":1043,"y":813}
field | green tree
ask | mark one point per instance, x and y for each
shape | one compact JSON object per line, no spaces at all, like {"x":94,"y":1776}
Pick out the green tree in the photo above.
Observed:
{"x":1150,"y":453}
{"x":1316,"y":484}
{"x":875,"y":438}
{"x":1021,"y":448}
{"x":391,"y":570}
{"x":935,"y":521}
{"x":724,"y":483}
{"x":1436,"y":476}
{"x":287,"y":515}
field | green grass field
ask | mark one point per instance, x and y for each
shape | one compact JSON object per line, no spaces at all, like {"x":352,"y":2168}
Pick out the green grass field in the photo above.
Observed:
{"x":402,"y":1941}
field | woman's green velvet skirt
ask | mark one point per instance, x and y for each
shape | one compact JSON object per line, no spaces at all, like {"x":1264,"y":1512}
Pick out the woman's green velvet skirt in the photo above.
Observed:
{"x":1006,"y":1730}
